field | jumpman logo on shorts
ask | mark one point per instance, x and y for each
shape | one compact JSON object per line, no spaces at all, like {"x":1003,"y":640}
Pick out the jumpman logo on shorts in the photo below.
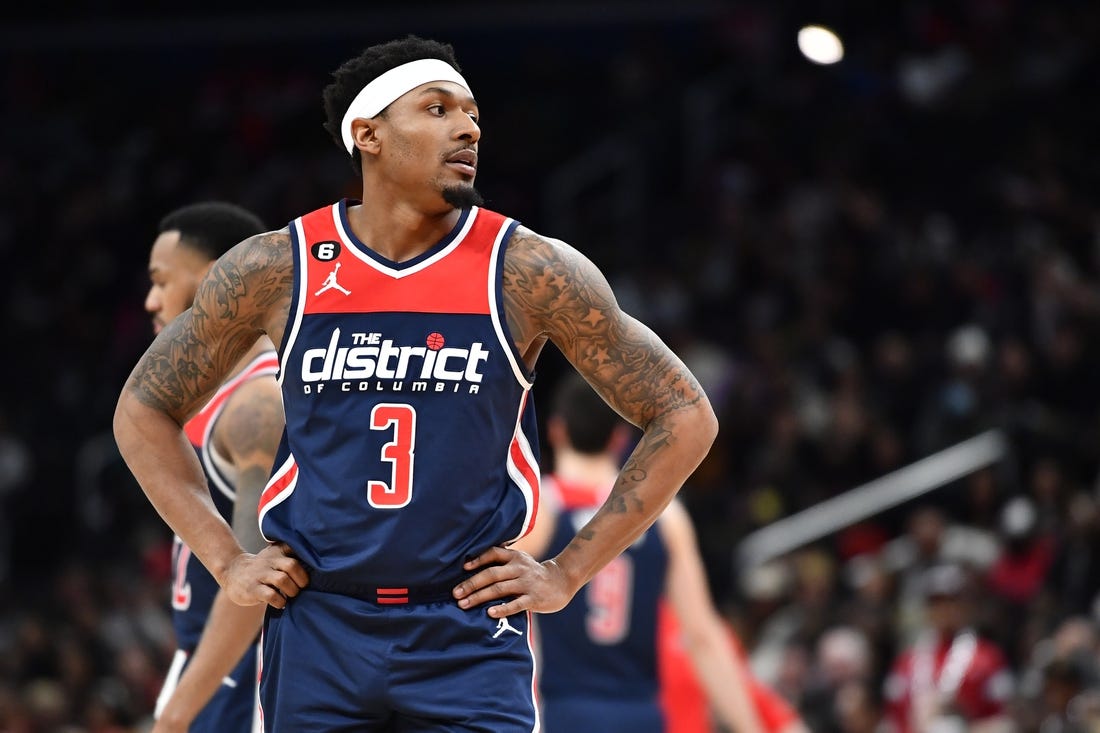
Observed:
{"x":503,"y":625}
{"x":331,"y":284}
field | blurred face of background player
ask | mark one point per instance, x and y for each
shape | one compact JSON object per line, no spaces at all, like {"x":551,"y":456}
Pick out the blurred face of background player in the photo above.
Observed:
{"x":175,"y":271}
{"x":429,"y":143}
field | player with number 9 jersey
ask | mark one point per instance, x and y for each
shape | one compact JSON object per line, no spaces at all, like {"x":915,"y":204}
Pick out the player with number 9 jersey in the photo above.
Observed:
{"x":598,"y":654}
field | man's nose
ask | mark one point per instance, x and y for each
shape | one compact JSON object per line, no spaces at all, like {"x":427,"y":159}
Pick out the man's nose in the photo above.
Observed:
{"x":470,"y":132}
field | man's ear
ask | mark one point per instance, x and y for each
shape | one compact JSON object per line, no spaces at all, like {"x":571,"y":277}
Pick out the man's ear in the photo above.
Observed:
{"x":364,"y":133}
{"x":556,"y":434}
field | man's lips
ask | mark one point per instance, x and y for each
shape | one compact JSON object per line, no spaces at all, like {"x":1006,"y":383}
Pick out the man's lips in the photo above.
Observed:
{"x":465,"y":161}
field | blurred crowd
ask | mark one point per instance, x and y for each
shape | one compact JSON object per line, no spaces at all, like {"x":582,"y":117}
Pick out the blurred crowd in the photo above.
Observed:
{"x":864,"y":263}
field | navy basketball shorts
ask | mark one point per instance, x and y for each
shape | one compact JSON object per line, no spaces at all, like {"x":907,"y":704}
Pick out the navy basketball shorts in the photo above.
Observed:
{"x":234,"y":708}
{"x":335,"y":663}
{"x":578,"y":714}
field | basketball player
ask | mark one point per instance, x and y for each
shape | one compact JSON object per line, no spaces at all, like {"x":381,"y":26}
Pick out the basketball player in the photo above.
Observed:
{"x":409,"y":460}
{"x":211,"y":684}
{"x":601,"y":661}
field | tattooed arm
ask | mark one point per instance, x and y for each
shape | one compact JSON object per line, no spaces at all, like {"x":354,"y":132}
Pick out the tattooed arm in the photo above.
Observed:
{"x":553,"y":292}
{"x":247,"y":432}
{"x":246,"y":294}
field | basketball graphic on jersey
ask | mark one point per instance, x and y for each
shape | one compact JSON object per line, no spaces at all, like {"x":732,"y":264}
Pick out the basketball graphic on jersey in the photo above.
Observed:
{"x":435,"y":341}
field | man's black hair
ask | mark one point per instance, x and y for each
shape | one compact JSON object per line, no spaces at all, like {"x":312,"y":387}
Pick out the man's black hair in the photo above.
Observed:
{"x":354,"y":74}
{"x":212,"y":227}
{"x":589,"y":421}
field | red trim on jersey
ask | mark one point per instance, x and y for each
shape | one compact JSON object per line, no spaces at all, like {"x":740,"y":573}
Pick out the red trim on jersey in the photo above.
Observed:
{"x":196,"y":426}
{"x":277,"y":486}
{"x":574,"y":495}
{"x":527,"y":470}
{"x":455,"y":283}
{"x":530,"y":474}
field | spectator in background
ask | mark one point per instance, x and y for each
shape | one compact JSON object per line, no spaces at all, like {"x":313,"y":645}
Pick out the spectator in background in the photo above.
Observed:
{"x":950,"y":675}
{"x":1069,"y":701}
{"x":931,"y":538}
{"x":1017,"y":576}
{"x":1073,"y":582}
{"x":858,"y":709}
{"x":869,"y":608}
{"x":1060,"y":682}
{"x":810,"y":608}
{"x":843,"y":658}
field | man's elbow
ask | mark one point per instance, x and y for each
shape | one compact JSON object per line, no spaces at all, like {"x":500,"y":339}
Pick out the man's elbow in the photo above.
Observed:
{"x":128,"y":421}
{"x":703,"y":424}
{"x":122,"y":422}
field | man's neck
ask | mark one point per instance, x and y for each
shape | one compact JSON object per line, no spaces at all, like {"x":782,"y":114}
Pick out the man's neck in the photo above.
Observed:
{"x":598,"y":470}
{"x":398,"y":228}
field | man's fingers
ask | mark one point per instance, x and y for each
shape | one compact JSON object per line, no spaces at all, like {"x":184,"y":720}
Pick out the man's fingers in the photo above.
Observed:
{"x":281,"y":556}
{"x":272,"y":597}
{"x":505,"y":587}
{"x":516,"y":605}
{"x":486,"y":578}
{"x":492,"y":556}
{"x":292,"y":569}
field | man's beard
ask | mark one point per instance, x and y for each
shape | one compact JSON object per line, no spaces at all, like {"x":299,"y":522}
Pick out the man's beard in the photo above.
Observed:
{"x":462,"y":197}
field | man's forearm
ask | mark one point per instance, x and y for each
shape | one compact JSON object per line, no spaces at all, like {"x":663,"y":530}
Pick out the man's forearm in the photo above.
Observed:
{"x":168,"y":471}
{"x":229,"y":632}
{"x":670,"y":450}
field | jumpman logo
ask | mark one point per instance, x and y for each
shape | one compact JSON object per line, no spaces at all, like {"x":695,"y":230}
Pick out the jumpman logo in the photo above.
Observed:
{"x":331,"y":284}
{"x":503,"y":625}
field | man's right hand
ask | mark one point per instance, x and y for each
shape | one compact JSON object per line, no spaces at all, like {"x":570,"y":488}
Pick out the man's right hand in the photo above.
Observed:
{"x":270,"y":576}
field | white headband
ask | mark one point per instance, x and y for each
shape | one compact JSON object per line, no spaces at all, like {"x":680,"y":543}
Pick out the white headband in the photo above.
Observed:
{"x":387,"y":87}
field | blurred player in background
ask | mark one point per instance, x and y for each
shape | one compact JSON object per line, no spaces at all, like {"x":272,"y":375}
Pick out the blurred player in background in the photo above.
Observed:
{"x":684,"y":698}
{"x":211,"y":686}
{"x":602,"y":657}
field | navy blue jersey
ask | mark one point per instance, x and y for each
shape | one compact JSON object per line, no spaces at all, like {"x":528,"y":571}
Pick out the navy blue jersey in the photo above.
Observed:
{"x":604,"y":643}
{"x":410,"y":440}
{"x":193,"y":587}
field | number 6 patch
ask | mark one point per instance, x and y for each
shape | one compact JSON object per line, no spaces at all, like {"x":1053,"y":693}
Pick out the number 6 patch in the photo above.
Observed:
{"x":325,"y":251}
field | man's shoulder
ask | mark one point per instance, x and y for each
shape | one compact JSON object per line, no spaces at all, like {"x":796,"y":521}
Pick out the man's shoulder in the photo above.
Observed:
{"x":527,"y":245}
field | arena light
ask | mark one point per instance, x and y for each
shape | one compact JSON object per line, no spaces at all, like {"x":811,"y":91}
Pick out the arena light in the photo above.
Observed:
{"x":820,"y":45}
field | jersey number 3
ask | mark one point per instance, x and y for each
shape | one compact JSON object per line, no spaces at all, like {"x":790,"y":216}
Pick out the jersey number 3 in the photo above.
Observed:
{"x":398,"y":452}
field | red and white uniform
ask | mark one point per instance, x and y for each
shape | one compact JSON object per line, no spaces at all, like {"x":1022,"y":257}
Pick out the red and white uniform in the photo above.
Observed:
{"x":962,"y":674}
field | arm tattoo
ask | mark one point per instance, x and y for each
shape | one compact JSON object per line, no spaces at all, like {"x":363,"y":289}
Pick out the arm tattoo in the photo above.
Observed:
{"x":552,"y":289}
{"x":246,"y":293}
